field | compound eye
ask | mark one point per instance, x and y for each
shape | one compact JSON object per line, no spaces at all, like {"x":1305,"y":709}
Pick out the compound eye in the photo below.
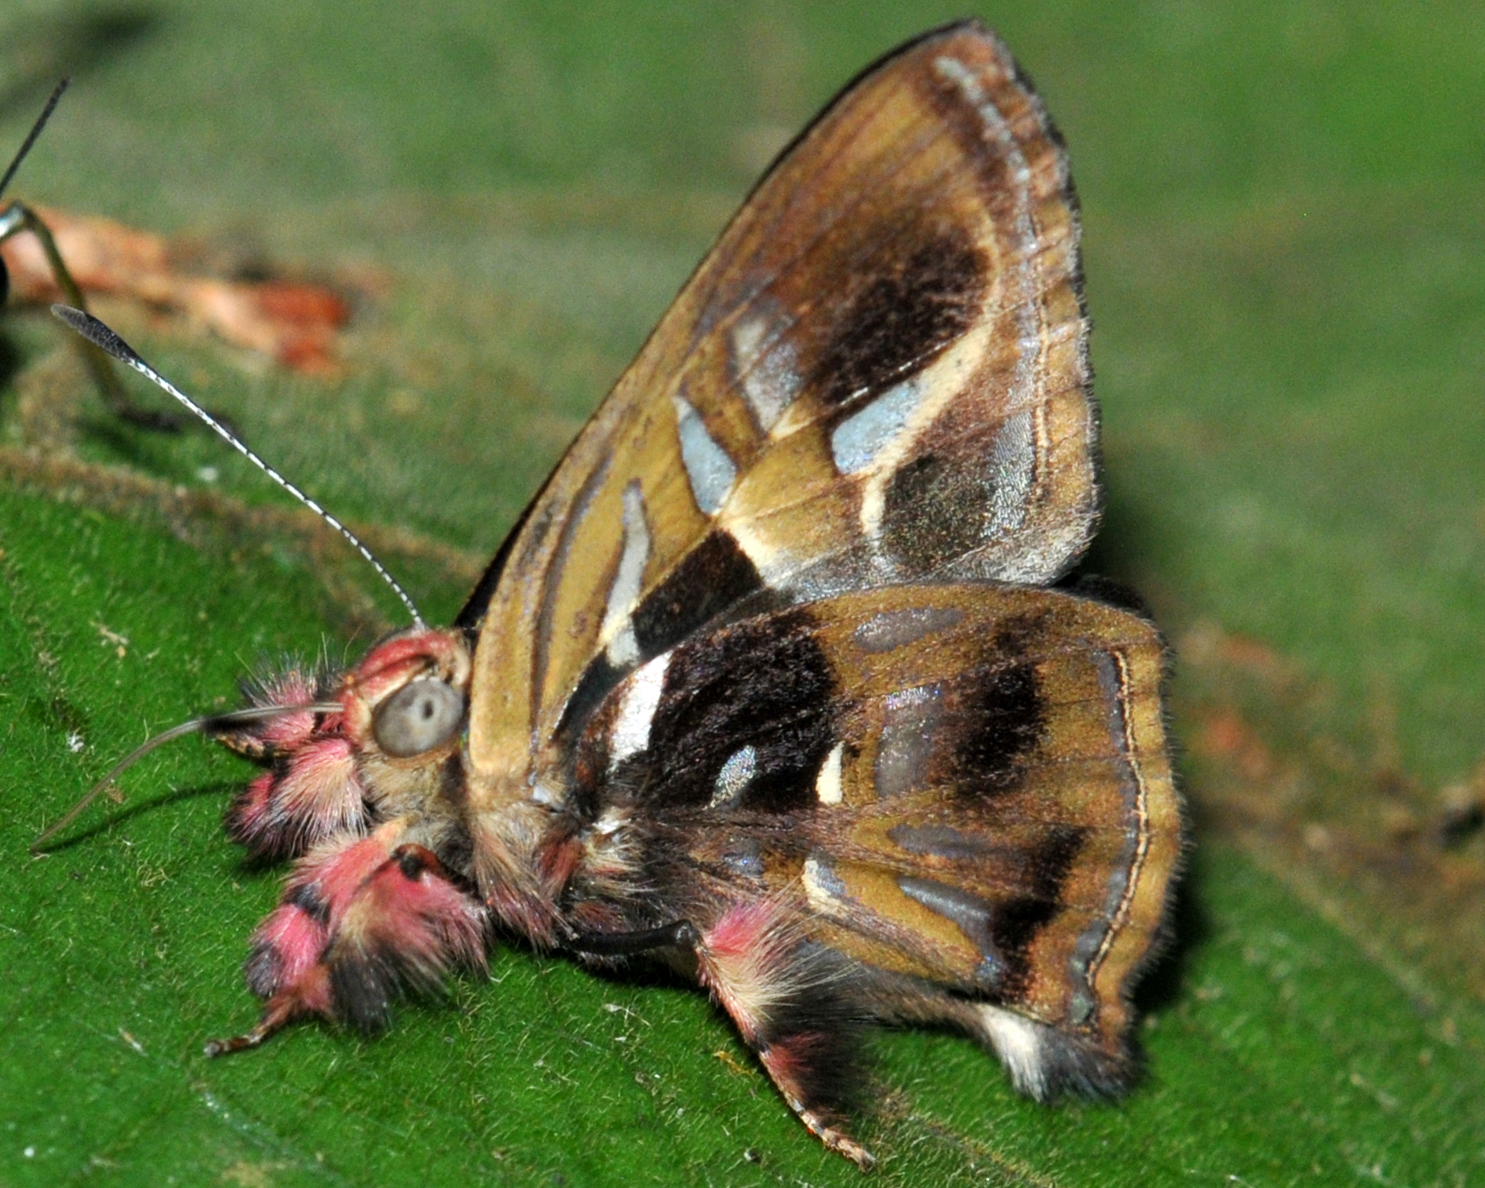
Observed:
{"x":418,"y":717}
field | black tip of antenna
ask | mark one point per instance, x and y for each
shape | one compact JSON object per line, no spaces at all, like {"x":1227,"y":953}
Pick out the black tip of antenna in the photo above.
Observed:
{"x":97,"y":333}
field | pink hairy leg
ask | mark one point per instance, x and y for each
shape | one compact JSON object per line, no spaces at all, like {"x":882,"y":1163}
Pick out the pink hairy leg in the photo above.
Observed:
{"x":359,"y":921}
{"x":793,"y":1005}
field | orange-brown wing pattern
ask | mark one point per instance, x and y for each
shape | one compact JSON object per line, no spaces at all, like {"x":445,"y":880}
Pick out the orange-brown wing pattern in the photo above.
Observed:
{"x":877,"y":375}
{"x":963,"y":787}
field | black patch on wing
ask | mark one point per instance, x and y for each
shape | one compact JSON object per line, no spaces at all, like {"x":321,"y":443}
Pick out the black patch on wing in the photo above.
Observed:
{"x":918,"y":300}
{"x":934,"y":512}
{"x":999,"y":715}
{"x":1002,"y":720}
{"x":763,"y":683}
{"x":711,"y":578}
{"x":1016,"y":922}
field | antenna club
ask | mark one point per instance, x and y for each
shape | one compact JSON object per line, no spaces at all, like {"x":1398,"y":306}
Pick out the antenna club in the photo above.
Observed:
{"x":105,"y":338}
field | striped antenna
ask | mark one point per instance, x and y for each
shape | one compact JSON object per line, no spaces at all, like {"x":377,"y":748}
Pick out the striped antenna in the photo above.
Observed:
{"x":105,"y":339}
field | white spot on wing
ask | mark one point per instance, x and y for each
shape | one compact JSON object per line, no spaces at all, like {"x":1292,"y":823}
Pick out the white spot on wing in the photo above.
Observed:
{"x":901,"y":699}
{"x":641,"y":697}
{"x":544,"y":792}
{"x":610,"y":823}
{"x":1013,"y":463}
{"x":735,"y":775}
{"x":828,"y":788}
{"x":1018,"y":1043}
{"x":747,"y":337}
{"x":707,"y":465}
{"x":1021,"y":289}
{"x":766,"y":371}
{"x":863,"y":435}
{"x":822,"y":886}
{"x":623,"y":648}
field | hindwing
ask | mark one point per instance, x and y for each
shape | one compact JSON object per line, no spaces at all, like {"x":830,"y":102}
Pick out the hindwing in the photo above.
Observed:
{"x":963,"y":787}
{"x":878,"y":375}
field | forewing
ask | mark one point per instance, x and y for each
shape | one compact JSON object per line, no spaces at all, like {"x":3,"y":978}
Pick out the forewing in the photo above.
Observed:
{"x":965,"y":785}
{"x":877,"y":375}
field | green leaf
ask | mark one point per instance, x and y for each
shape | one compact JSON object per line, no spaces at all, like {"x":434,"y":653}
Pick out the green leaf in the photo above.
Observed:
{"x":1285,"y":264}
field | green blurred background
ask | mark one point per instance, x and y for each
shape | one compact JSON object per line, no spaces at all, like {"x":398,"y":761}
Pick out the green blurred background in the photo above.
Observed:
{"x":1286,"y":269}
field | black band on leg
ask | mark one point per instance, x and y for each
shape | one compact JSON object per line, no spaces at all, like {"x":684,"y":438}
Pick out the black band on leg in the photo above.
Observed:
{"x":681,"y":934}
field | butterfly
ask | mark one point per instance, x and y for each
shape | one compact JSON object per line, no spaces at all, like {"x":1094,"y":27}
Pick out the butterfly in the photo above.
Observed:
{"x":771,"y":682}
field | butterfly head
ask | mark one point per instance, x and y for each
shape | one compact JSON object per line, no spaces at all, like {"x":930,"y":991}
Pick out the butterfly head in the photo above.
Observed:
{"x":407,"y":700}
{"x":399,"y":721}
